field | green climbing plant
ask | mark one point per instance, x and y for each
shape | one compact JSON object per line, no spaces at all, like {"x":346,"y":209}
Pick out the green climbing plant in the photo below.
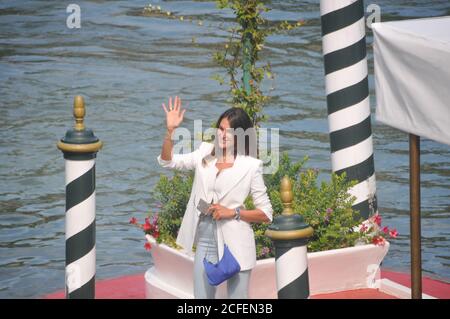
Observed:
{"x":239,"y":56}
{"x":241,"y":52}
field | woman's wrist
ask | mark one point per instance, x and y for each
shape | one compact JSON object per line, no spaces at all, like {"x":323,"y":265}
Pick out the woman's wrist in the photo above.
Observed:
{"x":169,"y":132}
{"x":232,"y":213}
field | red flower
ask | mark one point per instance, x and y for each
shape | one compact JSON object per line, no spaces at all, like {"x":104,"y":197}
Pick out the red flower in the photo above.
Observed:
{"x":146,"y":226}
{"x":385,"y":230}
{"x":378,"y":240}
{"x":393,"y":233}
{"x":149,"y":227}
{"x":377,"y":219}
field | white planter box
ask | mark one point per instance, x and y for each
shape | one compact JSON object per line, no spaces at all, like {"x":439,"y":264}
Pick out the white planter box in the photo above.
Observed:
{"x":335,"y":270}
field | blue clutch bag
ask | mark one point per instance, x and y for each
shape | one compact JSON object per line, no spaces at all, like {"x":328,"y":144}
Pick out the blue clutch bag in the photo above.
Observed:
{"x":226,"y":268}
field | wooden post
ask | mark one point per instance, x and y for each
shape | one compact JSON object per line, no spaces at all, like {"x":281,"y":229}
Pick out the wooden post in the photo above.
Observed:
{"x":80,"y":147}
{"x":414,"y":194}
{"x":348,"y":103}
{"x":290,"y":235}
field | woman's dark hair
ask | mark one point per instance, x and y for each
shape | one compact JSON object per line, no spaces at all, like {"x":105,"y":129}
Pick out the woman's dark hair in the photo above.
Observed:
{"x":238,"y":119}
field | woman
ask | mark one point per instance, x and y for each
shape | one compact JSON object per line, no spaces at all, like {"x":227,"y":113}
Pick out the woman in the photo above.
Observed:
{"x":225,"y":175}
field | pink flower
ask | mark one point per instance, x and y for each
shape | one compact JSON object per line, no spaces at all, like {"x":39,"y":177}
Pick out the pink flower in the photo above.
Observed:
{"x":133,"y":220}
{"x":363,"y":228}
{"x":385,"y":230}
{"x":147,"y":246}
{"x":393,"y":233}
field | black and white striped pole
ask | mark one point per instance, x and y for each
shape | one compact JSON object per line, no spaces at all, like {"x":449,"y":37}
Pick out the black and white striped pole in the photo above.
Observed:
{"x":290,"y":235}
{"x":347,"y":89}
{"x":80,"y":147}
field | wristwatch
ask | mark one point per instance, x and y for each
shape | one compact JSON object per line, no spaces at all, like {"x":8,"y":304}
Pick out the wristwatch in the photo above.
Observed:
{"x":237,"y":216}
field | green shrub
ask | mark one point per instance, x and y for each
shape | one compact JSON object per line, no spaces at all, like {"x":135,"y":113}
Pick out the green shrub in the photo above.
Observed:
{"x":328,"y":209}
{"x":173,"y":194}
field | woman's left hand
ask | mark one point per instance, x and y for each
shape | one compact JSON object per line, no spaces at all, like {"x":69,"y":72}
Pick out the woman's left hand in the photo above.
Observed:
{"x":221,"y":212}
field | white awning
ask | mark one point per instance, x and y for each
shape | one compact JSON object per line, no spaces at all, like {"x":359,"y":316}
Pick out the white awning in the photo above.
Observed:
{"x":412,"y":76}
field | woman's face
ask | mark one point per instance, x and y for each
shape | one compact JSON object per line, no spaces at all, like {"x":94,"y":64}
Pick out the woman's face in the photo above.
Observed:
{"x":225,"y":134}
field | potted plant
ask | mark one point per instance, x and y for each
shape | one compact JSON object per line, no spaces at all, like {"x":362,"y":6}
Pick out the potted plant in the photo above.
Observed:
{"x":344,"y":253}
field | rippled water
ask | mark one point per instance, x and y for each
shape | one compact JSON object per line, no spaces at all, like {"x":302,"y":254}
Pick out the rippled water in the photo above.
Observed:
{"x":125,"y":65}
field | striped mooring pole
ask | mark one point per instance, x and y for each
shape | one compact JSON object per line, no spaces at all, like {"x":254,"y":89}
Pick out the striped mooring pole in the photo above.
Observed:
{"x":80,"y":147}
{"x":347,"y":90}
{"x":290,"y":235}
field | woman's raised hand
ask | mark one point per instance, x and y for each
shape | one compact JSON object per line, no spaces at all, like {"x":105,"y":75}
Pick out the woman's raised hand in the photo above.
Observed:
{"x":174,"y":116}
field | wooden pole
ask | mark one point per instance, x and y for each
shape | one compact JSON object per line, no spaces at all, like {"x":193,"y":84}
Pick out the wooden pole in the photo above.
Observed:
{"x":290,"y":235}
{"x":349,"y":118}
{"x":80,"y":147}
{"x":414,"y":194}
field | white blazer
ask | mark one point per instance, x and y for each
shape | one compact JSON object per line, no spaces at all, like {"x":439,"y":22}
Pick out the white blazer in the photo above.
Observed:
{"x":246,"y":179}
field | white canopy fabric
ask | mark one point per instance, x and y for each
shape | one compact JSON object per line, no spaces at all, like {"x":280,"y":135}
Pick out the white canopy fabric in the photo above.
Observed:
{"x":412,"y":76}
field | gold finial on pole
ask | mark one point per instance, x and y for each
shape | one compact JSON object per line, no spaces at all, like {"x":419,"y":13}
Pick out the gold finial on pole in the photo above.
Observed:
{"x":79,"y":140}
{"x":287,"y":196}
{"x":78,"y":112}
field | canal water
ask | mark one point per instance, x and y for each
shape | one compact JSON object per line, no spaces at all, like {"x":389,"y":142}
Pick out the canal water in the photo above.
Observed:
{"x":125,"y":65}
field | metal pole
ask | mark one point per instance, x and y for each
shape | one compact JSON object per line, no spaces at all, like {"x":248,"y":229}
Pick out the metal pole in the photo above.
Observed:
{"x":414,"y":194}
{"x":290,"y":236}
{"x":347,"y":89}
{"x":79,"y":147}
